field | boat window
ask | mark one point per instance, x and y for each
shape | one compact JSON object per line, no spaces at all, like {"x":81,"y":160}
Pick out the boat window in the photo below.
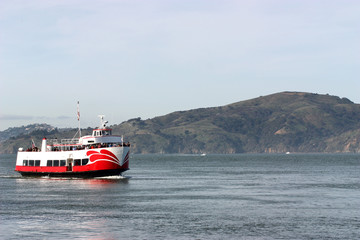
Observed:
{"x":56,"y":163}
{"x":31,"y":163}
{"x":77,"y":162}
{"x":25,"y":162}
{"x":49,"y":163}
{"x":84,"y":161}
{"x":37,"y":163}
{"x":62,"y":163}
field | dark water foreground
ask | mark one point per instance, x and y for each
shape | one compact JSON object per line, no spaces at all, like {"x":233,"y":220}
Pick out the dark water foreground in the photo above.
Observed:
{"x":190,"y":197}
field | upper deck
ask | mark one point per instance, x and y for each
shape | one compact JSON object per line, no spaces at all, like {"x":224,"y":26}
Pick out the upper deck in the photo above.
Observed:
{"x":101,"y":137}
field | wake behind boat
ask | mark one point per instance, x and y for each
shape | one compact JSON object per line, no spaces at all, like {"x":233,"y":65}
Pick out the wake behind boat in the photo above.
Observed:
{"x":101,"y":154}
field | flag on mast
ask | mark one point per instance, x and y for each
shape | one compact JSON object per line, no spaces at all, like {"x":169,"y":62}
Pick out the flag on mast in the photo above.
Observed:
{"x":78,"y":111}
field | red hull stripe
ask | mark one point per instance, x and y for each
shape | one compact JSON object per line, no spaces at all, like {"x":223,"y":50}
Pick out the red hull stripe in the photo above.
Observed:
{"x":96,"y":157}
{"x":126,"y":159}
{"x":107,"y":152}
{"x":88,"y":153}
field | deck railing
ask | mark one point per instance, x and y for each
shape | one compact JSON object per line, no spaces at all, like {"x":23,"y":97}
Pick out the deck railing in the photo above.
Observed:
{"x":62,"y":141}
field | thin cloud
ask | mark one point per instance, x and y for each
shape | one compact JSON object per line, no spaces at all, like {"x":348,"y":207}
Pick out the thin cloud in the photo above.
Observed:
{"x":15,"y":117}
{"x":63,"y":117}
{"x":28,"y":117}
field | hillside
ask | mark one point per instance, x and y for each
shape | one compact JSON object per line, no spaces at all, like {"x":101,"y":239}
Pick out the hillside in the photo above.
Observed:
{"x":24,"y":140}
{"x":282,"y":122}
{"x":277,"y":123}
{"x":16,"y":131}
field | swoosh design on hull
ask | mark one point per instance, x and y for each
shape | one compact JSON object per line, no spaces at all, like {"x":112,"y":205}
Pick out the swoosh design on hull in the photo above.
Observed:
{"x":103,"y":155}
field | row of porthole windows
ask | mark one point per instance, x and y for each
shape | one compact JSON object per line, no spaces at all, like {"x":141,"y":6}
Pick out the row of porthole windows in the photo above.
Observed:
{"x":55,"y":163}
{"x":61,"y":163}
{"x":31,"y":163}
{"x":80,"y":162}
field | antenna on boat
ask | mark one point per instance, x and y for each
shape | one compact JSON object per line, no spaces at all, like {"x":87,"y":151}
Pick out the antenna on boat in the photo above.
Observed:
{"x":102,"y":122}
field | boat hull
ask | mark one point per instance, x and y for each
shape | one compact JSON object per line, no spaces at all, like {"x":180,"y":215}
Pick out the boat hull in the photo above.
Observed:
{"x":87,"y":163}
{"x":85,"y":174}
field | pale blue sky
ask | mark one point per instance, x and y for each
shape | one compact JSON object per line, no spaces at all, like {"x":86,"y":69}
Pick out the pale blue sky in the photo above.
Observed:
{"x":128,"y":59}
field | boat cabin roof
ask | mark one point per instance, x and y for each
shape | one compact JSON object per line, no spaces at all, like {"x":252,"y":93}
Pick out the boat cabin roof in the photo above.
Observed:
{"x":102,"y":132}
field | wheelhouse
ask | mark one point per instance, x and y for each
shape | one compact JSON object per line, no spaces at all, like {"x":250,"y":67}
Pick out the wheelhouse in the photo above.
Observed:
{"x":102,"y":132}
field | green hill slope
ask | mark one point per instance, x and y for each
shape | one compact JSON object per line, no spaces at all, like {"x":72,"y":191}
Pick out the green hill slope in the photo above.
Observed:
{"x":277,"y":123}
{"x":282,"y":122}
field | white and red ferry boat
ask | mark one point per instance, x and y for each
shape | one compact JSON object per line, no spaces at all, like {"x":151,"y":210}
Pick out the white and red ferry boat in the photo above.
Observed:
{"x":101,"y":154}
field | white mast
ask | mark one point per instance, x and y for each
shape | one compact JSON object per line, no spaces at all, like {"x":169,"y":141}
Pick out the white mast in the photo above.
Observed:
{"x":78,"y":117}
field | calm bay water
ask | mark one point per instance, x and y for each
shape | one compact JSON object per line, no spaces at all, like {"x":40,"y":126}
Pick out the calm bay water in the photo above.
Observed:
{"x":190,"y":197}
